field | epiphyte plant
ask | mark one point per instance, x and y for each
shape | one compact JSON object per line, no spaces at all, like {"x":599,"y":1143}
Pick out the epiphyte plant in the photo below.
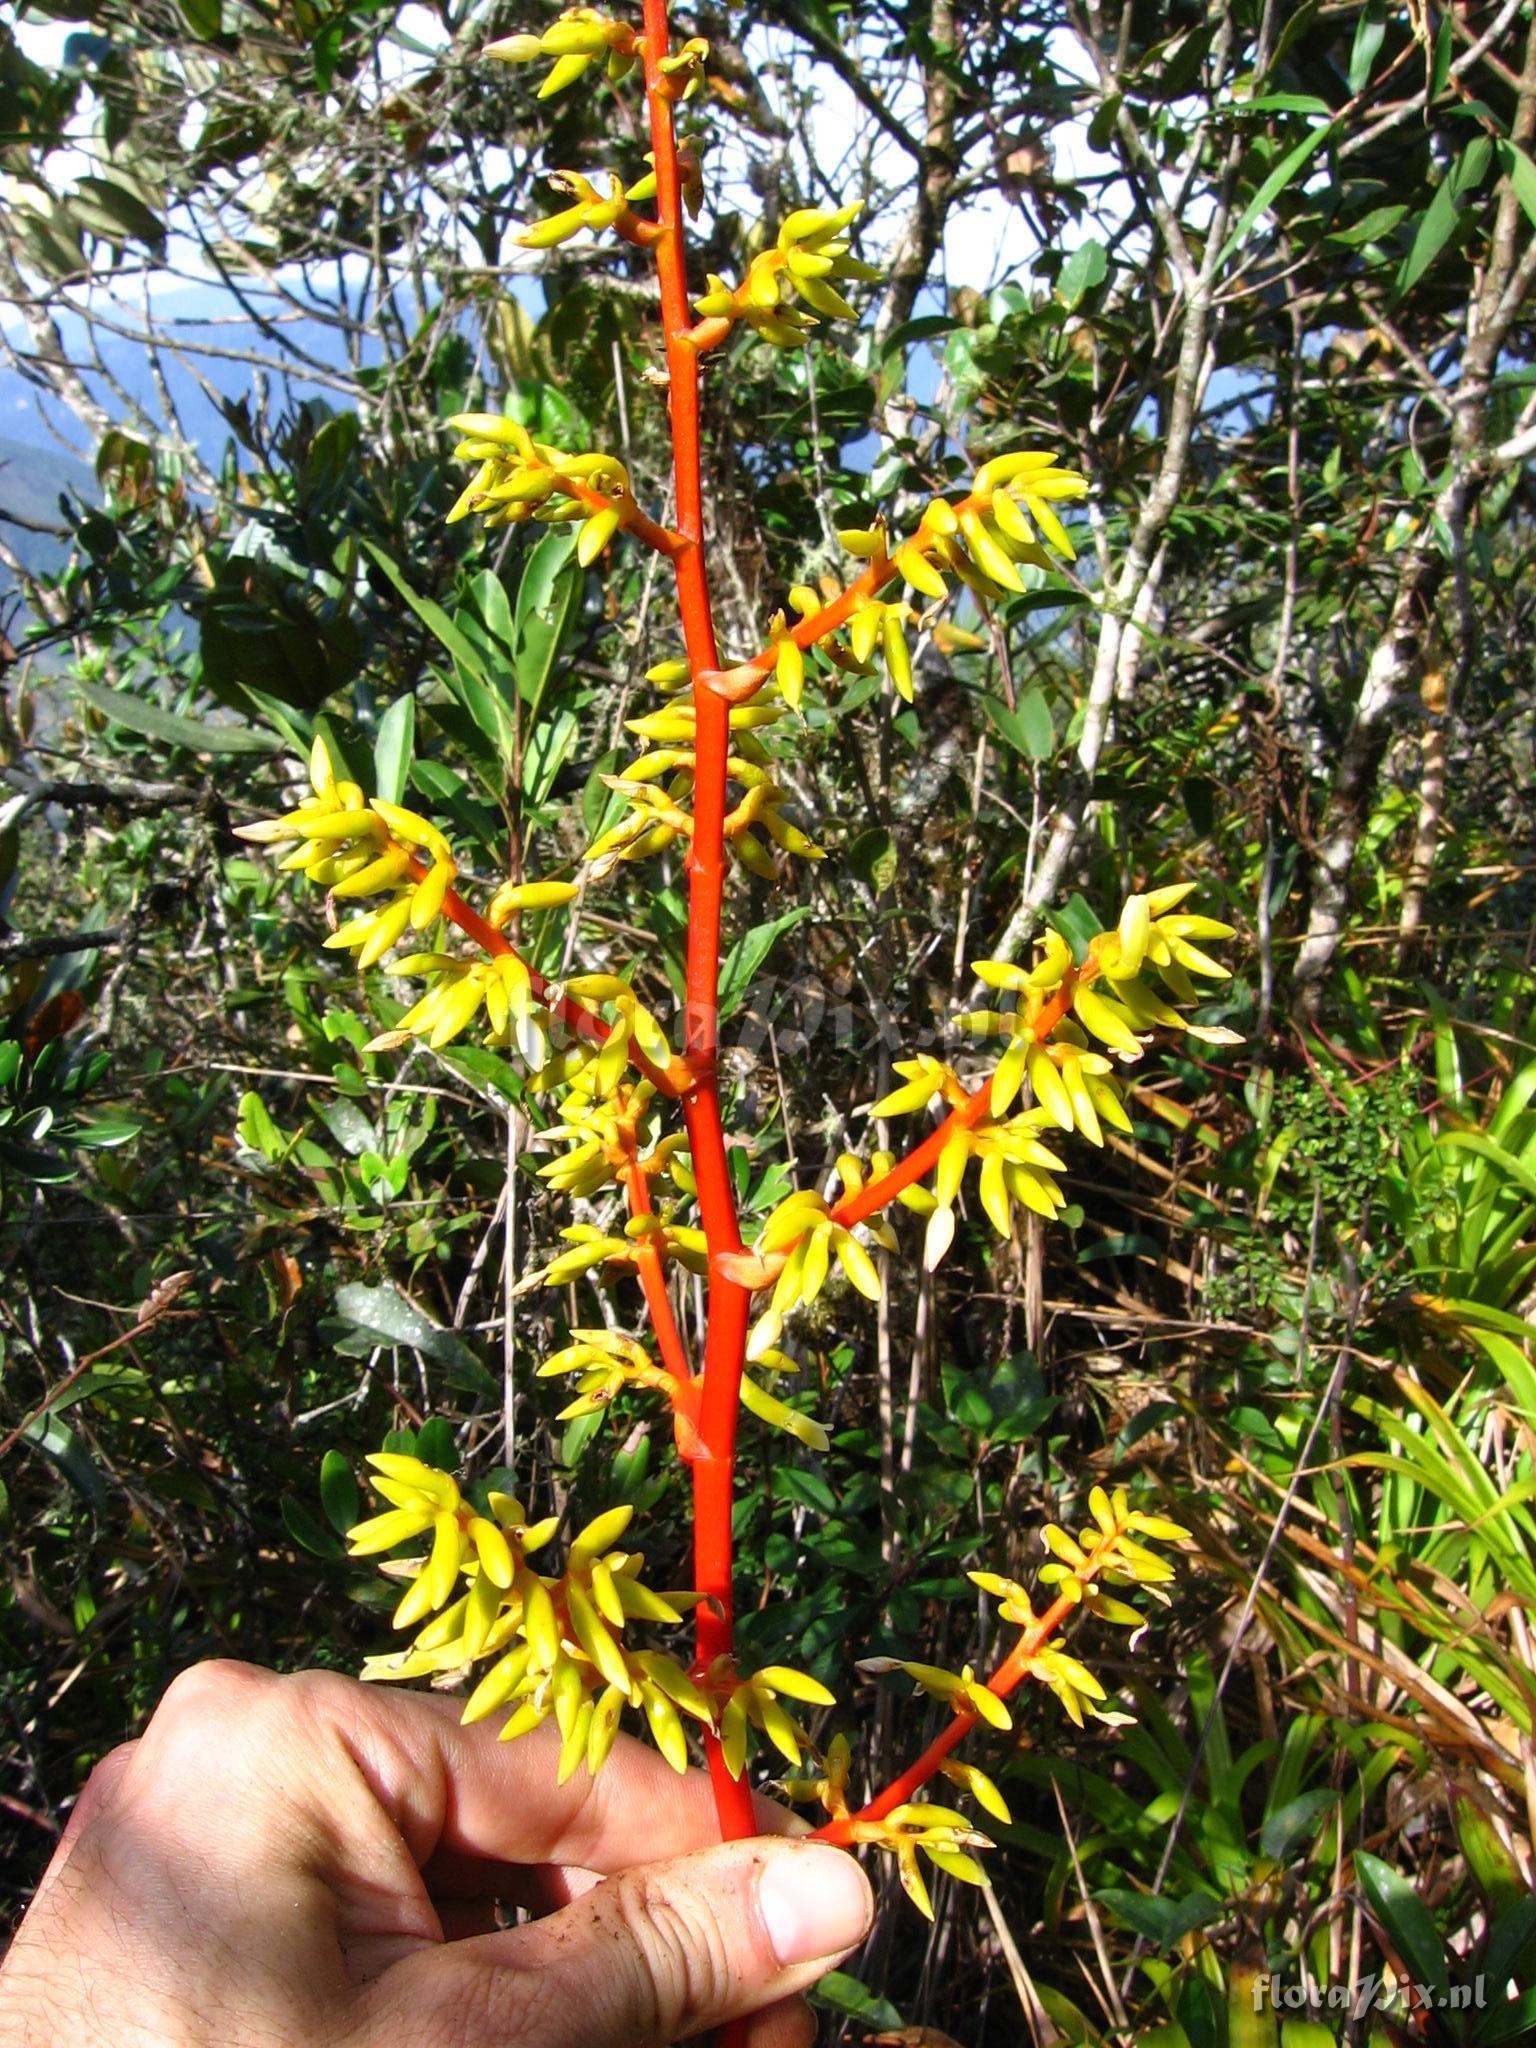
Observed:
{"x":642,"y":1107}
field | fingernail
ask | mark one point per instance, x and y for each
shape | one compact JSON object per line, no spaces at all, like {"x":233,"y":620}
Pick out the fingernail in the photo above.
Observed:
{"x":814,"y":1902}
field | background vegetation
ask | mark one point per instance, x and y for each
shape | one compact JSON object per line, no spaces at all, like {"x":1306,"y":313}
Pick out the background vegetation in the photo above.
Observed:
{"x":1265,"y":274}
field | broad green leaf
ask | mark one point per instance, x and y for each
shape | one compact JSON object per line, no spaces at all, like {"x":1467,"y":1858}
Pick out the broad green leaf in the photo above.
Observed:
{"x":546,"y":751}
{"x":347,"y":1124}
{"x":1084,"y":269}
{"x":489,"y":595}
{"x":927,"y":327}
{"x":257,"y":1131}
{"x":309,"y":1532}
{"x":1371,"y":227}
{"x":1027,"y":728}
{"x":874,"y":859}
{"x":194,"y":734}
{"x":1036,"y":726}
{"x":1162,"y":1921}
{"x":1296,"y":1821}
{"x":740,"y":965}
{"x":393,"y":750}
{"x":1404,"y":1919}
{"x":840,"y":1993}
{"x":1289,"y":165}
{"x":70,"y":1454}
{"x":548,"y":599}
{"x":431,"y":615}
{"x":338,"y":1492}
{"x":383,"y":1315}
{"x":1520,"y":171}
{"x":435,"y":1445}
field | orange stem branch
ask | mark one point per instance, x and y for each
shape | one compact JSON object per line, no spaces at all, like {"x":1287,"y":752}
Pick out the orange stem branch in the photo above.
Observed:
{"x":651,"y":1268}
{"x":574,"y":1016}
{"x":742,"y":682}
{"x":631,"y":519}
{"x":853,"y":1208}
{"x":725,"y":1341}
{"x":1003,"y":1681}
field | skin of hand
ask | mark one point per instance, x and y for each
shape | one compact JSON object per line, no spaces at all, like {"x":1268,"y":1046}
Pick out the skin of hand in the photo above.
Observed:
{"x":306,"y":1862}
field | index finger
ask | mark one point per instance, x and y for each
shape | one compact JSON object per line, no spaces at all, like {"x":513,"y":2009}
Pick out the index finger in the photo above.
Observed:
{"x":461,"y":1792}
{"x":324,"y":1746}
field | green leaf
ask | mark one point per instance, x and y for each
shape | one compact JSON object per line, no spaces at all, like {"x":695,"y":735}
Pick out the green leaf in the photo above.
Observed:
{"x":579,"y":1432}
{"x":1279,"y":103}
{"x":338,"y":1492}
{"x":1370,"y":33}
{"x":1440,"y":221}
{"x":548,"y":599}
{"x":393,"y":750}
{"x":105,"y":1133}
{"x":1445,"y":45}
{"x":435,"y":1445}
{"x":383,"y":1315}
{"x":1084,"y":269}
{"x":193,"y":734}
{"x":549,"y":747}
{"x":1520,"y":171}
{"x":432,"y":616}
{"x":257,"y":1131}
{"x":1077,"y":922}
{"x":489,"y":595}
{"x":68,"y":1452}
{"x":1293,"y":161}
{"x":840,"y":1993}
{"x":309,"y":1532}
{"x":1283,"y":1830}
{"x":807,"y":1489}
{"x":925,"y":328}
{"x":1036,"y":726}
{"x":874,"y":859}
{"x":1404,"y":1919}
{"x":1027,"y":728}
{"x":740,"y":965}
{"x":1381,"y":220}
{"x":1508,"y":1954}
{"x":106,"y":207}
{"x":1493,"y":1869}
{"x":347,"y":1124}
{"x":1163,"y":1922}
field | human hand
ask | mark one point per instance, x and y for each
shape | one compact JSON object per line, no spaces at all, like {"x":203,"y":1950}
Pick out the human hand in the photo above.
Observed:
{"x":306,"y":1863}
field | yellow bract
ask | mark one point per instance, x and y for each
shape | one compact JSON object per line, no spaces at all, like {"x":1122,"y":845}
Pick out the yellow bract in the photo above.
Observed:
{"x":557,"y":1641}
{"x":658,"y":786}
{"x":356,"y":847}
{"x":809,"y":260}
{"x":1110,"y":1003}
{"x":1077,"y":1572}
{"x":943,"y":1836}
{"x":756,"y":1703}
{"x":794,"y":1252}
{"x":960,"y":1690}
{"x":593,"y":210}
{"x":581,"y":36}
{"x":517,"y":479}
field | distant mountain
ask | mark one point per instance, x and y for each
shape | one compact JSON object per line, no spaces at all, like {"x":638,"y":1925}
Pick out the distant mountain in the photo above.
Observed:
{"x":35,"y":468}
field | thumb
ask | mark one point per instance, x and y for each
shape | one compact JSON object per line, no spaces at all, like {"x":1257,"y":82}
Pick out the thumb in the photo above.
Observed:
{"x":652,"y":1956}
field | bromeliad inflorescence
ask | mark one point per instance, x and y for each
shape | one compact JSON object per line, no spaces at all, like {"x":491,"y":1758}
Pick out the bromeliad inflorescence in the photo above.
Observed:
{"x":638,"y":1136}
